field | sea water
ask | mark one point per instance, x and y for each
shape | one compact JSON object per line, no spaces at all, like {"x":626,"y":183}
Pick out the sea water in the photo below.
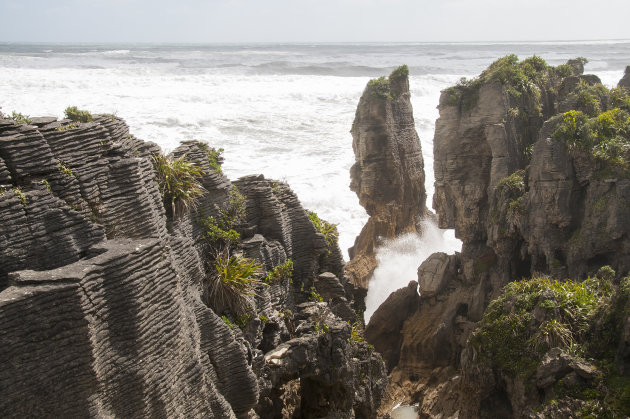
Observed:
{"x":283,"y":110}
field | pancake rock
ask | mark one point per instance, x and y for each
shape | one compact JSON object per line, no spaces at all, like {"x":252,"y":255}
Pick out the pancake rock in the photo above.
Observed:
{"x":522,"y":177}
{"x":388,"y":174}
{"x":105,"y":302}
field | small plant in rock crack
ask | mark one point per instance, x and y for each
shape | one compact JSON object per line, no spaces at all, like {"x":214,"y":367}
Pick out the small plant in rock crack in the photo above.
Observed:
{"x":179,"y":182}
{"x":220,"y":230}
{"x":324,"y":227}
{"x":233,"y":280}
{"x":280,"y":273}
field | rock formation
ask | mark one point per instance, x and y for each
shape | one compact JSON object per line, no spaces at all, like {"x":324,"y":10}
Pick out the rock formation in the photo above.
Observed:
{"x":625,"y":80}
{"x":105,"y":307}
{"x":388,"y":174}
{"x":531,"y":170}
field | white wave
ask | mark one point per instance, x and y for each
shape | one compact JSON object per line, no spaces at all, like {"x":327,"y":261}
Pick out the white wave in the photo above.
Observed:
{"x":399,"y":259}
{"x":117,"y":52}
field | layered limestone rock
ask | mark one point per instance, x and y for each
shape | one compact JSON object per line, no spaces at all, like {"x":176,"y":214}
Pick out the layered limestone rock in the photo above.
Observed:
{"x":104,"y":301}
{"x":625,"y":80}
{"x":526,"y":195}
{"x":388,"y":174}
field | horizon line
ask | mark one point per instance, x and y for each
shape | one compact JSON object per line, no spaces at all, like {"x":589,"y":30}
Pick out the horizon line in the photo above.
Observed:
{"x":175,"y":43}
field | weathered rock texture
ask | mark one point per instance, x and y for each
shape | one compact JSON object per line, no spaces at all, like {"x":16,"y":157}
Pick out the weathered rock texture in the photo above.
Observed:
{"x":521,"y":202}
{"x":388,"y":175}
{"x":104,"y":309}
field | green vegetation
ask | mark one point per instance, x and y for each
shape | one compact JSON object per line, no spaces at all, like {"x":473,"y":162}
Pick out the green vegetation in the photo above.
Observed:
{"x":619,"y":98}
{"x":20,"y":119}
{"x":327,"y":229}
{"x":606,"y":136}
{"x":280,"y":273}
{"x":526,"y":77}
{"x":179,"y":183}
{"x":74,"y":114}
{"x":214,"y":160}
{"x":47,"y":185}
{"x":227,"y":321}
{"x":220,"y":230}
{"x":214,"y":156}
{"x":62,"y":128}
{"x":233,"y":281}
{"x":18,"y":192}
{"x":584,"y":319}
{"x":513,"y":186}
{"x":402,"y":71}
{"x":315,"y":296}
{"x":379,"y":88}
{"x":513,"y":340}
{"x":263,"y":318}
{"x":242,"y":320}
{"x":66,"y":170}
{"x":357,"y":332}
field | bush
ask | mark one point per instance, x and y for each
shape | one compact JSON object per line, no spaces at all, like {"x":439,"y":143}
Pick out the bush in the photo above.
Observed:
{"x":514,"y":341}
{"x":179,"y":183}
{"x":20,"y":119}
{"x":233,"y":281}
{"x":327,"y":229}
{"x":402,"y":71}
{"x":605,"y":136}
{"x":379,"y":88}
{"x":280,"y":273}
{"x":76,"y":115}
{"x":221,"y":230}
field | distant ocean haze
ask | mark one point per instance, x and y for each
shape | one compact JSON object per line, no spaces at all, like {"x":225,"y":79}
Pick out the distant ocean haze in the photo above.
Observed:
{"x":281,"y":110}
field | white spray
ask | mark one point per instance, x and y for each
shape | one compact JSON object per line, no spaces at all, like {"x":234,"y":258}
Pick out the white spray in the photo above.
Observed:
{"x":398,"y":261}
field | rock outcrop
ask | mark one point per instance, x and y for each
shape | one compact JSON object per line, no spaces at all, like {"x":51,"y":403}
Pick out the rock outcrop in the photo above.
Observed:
{"x":388,"y":175}
{"x":528,"y":177}
{"x":105,"y":308}
{"x":625,"y":80}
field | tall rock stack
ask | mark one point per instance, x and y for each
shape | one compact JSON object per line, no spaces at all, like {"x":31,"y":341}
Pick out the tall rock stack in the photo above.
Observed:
{"x":530,"y":191}
{"x":388,"y":174}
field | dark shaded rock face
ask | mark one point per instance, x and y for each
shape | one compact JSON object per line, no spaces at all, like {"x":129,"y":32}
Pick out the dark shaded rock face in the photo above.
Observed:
{"x":388,"y":175}
{"x":522,"y":203}
{"x":104,"y":309}
{"x":625,"y":80}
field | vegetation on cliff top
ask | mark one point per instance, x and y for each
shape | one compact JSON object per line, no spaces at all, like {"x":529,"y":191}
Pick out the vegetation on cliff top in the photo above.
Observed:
{"x":324,"y":227}
{"x":605,"y":136}
{"x":20,"y":119}
{"x":584,"y":319}
{"x":179,"y":182}
{"x":381,"y":87}
{"x":526,"y":77}
{"x":77,"y":115}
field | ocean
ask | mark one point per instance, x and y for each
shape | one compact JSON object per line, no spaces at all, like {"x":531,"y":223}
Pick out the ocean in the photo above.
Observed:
{"x":283,"y":110}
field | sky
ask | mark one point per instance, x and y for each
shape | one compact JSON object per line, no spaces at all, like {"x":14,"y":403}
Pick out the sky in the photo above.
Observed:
{"x":226,"y":21}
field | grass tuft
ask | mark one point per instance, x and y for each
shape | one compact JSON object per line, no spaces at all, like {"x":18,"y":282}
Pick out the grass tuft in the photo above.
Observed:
{"x":179,"y":183}
{"x":77,"y":115}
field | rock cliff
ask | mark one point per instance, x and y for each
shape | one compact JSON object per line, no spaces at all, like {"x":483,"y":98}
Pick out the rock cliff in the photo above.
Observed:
{"x":388,"y":174}
{"x":531,"y":167}
{"x":106,"y":287}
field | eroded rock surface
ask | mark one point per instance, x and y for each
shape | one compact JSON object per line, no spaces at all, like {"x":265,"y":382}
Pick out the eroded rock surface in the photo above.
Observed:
{"x":104,"y":303}
{"x":523,"y":201}
{"x":388,"y":174}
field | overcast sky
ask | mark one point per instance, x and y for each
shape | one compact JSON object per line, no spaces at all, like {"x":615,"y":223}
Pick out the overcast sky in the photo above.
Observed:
{"x":311,"y":20}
